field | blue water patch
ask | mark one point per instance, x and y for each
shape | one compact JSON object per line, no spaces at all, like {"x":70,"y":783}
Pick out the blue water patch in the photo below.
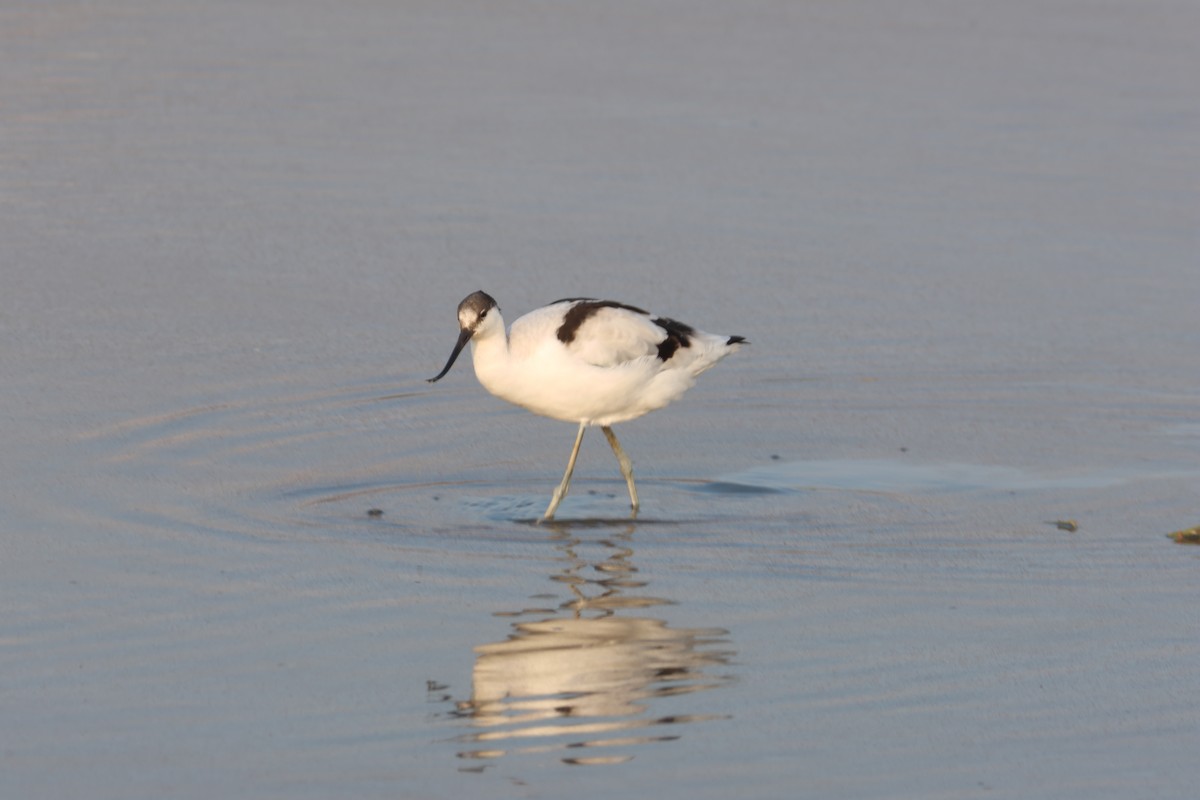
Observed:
{"x":733,"y":487}
{"x":882,"y":475}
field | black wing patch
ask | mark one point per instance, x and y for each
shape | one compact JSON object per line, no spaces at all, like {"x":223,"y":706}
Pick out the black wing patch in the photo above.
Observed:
{"x":581,"y":311}
{"x":678,"y":335}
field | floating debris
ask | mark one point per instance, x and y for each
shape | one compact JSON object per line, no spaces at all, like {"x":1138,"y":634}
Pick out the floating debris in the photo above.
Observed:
{"x":1068,"y":525}
{"x":1187,"y":535}
{"x":374,"y":512}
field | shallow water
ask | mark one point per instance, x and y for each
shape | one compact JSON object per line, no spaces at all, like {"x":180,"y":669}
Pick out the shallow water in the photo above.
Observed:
{"x":248,"y":551}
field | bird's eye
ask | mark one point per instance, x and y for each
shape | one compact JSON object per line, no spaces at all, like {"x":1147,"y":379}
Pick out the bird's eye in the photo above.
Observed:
{"x":483,"y":313}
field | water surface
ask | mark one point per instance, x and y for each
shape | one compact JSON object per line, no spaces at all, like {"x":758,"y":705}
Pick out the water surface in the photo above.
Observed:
{"x":249,"y":552}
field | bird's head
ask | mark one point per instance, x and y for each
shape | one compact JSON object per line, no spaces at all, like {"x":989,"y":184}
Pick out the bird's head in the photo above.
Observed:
{"x":477,"y":312}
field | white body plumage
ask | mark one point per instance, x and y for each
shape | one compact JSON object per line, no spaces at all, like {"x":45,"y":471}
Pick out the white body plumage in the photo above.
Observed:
{"x":609,"y":372}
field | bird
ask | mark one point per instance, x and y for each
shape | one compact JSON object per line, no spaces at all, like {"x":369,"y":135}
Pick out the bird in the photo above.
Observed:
{"x":588,"y":361}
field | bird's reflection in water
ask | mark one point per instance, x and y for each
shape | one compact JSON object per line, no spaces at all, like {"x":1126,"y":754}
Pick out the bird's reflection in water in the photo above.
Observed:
{"x":596,"y":673}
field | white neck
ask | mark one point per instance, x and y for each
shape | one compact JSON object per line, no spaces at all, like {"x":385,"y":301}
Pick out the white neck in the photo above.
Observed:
{"x":489,"y":351}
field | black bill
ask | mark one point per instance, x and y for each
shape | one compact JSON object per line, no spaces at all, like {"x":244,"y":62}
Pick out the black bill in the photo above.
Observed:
{"x":464,"y":336}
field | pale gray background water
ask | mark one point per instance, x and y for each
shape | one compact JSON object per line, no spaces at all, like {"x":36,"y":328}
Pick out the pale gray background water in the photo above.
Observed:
{"x":961,"y":236}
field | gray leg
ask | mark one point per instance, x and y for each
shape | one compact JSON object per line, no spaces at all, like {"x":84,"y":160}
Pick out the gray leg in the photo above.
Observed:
{"x":626,"y":465}
{"x":561,"y":491}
